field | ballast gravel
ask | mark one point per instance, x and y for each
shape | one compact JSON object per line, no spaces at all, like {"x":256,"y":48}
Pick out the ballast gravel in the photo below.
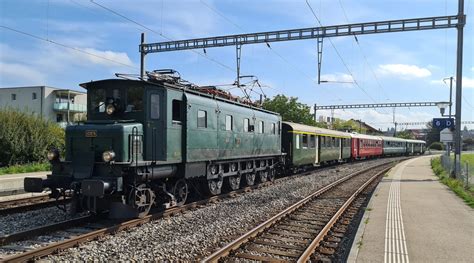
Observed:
{"x":197,"y":233}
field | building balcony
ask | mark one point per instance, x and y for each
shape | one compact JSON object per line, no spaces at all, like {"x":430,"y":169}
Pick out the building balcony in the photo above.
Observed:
{"x":72,"y":107}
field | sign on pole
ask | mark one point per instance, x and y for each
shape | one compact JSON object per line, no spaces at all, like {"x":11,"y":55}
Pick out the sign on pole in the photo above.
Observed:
{"x":446,"y":135}
{"x":442,"y":123}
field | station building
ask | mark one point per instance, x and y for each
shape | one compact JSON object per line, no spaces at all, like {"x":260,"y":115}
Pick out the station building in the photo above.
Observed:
{"x":63,"y":106}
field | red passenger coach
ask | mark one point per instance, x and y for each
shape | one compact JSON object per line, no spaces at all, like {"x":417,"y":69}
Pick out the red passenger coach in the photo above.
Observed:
{"x":365,"y":146}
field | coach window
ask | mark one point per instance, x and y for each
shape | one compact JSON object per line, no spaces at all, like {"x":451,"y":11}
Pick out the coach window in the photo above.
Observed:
{"x":261,"y":127}
{"x":273,"y":131}
{"x":155,"y":106}
{"x":312,"y":141}
{"x":297,"y":141}
{"x":13,"y":96}
{"x":33,"y":96}
{"x":305,"y":141}
{"x":228,"y":123}
{"x":202,"y":119}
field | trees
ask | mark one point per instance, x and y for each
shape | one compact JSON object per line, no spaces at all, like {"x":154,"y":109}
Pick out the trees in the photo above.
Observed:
{"x":405,"y":135}
{"x":291,"y":110}
{"x":349,"y":126}
{"x":432,"y":134}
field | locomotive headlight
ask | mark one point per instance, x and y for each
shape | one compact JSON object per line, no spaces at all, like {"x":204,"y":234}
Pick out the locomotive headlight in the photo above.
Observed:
{"x":108,"y":156}
{"x":110,"y":109}
{"x":53,"y":155}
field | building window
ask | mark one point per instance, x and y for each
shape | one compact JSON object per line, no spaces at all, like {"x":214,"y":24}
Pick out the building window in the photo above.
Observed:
{"x":273,"y":128}
{"x":202,"y":119}
{"x":59,"y":117}
{"x":228,"y":123}
{"x":176,"y":111}
{"x":33,"y":96}
{"x":13,"y":96}
{"x":155,"y":106}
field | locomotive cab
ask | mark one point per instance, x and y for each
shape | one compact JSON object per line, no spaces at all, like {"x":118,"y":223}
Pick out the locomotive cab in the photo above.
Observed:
{"x":106,"y":159}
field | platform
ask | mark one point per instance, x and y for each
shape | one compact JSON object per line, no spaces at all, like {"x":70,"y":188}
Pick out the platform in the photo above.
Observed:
{"x":11,"y":184}
{"x":412,"y":217}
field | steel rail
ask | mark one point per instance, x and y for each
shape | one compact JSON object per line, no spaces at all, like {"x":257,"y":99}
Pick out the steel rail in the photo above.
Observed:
{"x":270,"y":222}
{"x":12,"y":202}
{"x":74,"y":241}
{"x":317,"y":240}
{"x":18,"y":236}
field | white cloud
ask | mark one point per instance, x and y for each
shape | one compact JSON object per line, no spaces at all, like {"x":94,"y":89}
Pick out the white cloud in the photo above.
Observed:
{"x":338,"y":77}
{"x":106,"y":58}
{"x":404,"y":71}
{"x":468,"y":82}
{"x":19,"y":74}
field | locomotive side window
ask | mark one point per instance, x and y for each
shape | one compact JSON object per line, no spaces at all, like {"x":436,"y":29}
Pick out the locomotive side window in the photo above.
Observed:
{"x":247,"y":126}
{"x":261,"y":128}
{"x":273,"y":131}
{"x":155,"y":106}
{"x":176,"y":108}
{"x":202,"y":119}
{"x":228,"y":123}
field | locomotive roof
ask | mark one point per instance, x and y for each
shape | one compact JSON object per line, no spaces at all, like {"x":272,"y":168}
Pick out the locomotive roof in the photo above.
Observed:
{"x":176,"y":86}
{"x":316,"y":130}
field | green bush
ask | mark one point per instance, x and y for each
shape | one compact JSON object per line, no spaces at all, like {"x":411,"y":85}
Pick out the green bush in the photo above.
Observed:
{"x":26,"y":138}
{"x":437,"y":146}
{"x":26,"y":168}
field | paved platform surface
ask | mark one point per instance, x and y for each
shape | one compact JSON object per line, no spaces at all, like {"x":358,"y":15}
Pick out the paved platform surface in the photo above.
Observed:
{"x":412,"y":217}
{"x":11,"y":184}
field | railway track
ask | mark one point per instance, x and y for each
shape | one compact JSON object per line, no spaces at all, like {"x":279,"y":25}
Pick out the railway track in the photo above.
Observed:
{"x":29,"y":203}
{"x":70,"y":233}
{"x":310,"y":229}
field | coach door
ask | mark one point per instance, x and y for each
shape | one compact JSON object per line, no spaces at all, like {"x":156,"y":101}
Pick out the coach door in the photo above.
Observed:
{"x":154,"y":130}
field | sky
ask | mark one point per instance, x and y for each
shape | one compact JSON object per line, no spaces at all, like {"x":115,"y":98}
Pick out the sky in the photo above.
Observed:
{"x":63,"y":43}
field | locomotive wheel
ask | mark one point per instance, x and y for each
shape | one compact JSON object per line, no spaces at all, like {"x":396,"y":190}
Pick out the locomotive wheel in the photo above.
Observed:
{"x":234,"y":182}
{"x":180,"y":192}
{"x":263,"y":176}
{"x":141,"y":198}
{"x":214,"y":186}
{"x":250,"y":179}
{"x":271,"y":175}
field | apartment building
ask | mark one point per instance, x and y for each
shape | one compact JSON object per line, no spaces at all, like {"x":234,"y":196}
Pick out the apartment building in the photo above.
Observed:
{"x":63,"y":106}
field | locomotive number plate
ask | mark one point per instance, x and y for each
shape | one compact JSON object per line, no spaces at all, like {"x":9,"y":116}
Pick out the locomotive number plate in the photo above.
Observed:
{"x":91,"y":133}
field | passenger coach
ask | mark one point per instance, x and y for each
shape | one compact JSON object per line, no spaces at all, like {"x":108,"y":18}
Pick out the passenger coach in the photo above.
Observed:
{"x":311,"y":146}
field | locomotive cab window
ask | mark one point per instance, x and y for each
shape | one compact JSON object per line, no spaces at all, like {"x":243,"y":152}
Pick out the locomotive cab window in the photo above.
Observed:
{"x":155,"y":106}
{"x":273,"y":131}
{"x":202,"y":119}
{"x":176,"y":111}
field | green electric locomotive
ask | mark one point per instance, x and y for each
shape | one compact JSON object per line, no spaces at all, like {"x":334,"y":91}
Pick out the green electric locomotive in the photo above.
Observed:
{"x":152,"y":142}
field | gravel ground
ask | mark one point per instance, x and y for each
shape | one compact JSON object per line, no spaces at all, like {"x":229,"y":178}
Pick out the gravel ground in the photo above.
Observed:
{"x":197,"y":233}
{"x":32,"y":219}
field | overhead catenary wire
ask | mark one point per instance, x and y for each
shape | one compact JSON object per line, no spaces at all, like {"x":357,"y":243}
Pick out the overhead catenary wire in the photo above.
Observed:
{"x":66,"y":46}
{"x":340,"y":56}
{"x":295,"y":68}
{"x":159,"y":34}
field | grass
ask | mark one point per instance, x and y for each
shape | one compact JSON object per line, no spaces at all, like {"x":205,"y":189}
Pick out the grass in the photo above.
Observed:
{"x":455,"y":185}
{"x":25,"y":168}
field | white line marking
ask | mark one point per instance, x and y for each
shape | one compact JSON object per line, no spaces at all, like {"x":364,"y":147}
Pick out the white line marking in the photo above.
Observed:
{"x":395,"y":242}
